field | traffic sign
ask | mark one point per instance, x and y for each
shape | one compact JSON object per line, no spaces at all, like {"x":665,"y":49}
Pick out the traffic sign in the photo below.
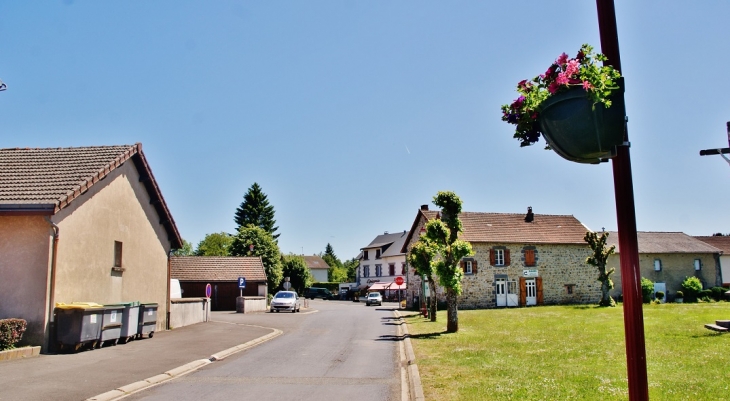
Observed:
{"x":287,"y":285}
{"x":399,"y":280}
{"x":242,"y":282}
{"x":208,"y":290}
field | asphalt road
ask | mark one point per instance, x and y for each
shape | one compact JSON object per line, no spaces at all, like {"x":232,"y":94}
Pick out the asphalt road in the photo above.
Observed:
{"x":341,"y":351}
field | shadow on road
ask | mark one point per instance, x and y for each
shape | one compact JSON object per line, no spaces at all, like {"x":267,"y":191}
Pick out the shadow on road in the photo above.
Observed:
{"x":403,"y":337}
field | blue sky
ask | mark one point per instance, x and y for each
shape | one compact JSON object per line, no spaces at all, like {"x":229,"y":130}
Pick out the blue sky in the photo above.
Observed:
{"x":351,"y":114}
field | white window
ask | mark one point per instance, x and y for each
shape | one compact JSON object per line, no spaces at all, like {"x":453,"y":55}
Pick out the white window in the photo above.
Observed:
{"x":467,"y":267}
{"x":499,"y":257}
{"x":657,"y":265}
{"x":698,"y":264}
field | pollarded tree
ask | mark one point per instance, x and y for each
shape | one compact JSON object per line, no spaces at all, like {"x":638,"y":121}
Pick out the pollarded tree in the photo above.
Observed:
{"x":215,"y":244}
{"x":598,"y":259}
{"x":255,"y":241}
{"x":294,"y":267}
{"x":421,"y":258}
{"x":444,"y":235}
{"x":255,"y":209}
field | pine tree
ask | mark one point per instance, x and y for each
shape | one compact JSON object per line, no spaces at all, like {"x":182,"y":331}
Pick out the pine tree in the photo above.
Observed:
{"x":255,"y":210}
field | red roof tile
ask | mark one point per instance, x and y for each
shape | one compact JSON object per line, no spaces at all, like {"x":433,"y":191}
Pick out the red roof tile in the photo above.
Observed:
{"x":665,"y":242}
{"x":722,"y":243}
{"x":216,"y":268}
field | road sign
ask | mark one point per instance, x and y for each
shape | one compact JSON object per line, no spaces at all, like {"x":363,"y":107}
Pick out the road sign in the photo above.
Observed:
{"x":287,"y":285}
{"x":208,"y":290}
{"x":242,"y":282}
{"x":399,"y":280}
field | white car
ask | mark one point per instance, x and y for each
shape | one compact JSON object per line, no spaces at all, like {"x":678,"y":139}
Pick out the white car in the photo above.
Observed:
{"x":286,"y":300}
{"x":374,"y":298}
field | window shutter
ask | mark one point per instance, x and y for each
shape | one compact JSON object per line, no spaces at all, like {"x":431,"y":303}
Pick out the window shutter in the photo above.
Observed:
{"x":538,"y":283}
{"x":491,"y":257}
{"x":523,"y":291}
{"x":474,"y":267}
{"x":529,"y":257}
{"x":506,"y":257}
{"x":462,"y":264}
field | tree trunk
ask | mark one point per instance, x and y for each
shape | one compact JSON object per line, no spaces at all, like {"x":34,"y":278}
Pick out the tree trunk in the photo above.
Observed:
{"x":606,"y":285}
{"x":452,"y":320}
{"x":432,"y":306}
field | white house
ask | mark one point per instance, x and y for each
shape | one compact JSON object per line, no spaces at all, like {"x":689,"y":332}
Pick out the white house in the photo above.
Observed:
{"x":382,"y":261}
{"x":722,"y":243}
{"x":318,"y":267}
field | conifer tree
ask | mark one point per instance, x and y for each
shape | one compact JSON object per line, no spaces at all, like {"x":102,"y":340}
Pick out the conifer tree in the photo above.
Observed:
{"x":256,"y":210}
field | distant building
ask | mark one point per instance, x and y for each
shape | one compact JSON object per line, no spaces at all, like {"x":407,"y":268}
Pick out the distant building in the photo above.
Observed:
{"x":382,"y":261}
{"x":722,"y":243}
{"x":318,"y":267}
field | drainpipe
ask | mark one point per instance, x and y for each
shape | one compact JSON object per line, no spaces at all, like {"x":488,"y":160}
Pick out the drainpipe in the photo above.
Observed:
{"x":52,"y":285}
{"x":167,"y":323}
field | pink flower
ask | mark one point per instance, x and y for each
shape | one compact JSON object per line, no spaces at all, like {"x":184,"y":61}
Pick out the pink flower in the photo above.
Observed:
{"x":553,"y":87}
{"x":562,"y":59}
{"x":587,"y":85}
{"x":572,"y":67}
{"x":562,"y":79}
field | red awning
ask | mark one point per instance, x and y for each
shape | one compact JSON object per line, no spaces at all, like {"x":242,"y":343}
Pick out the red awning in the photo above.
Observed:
{"x":387,"y":286}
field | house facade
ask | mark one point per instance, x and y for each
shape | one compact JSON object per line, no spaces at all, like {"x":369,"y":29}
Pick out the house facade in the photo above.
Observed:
{"x":318,"y":267}
{"x":722,"y":243}
{"x":382,"y":261}
{"x":222,"y":273}
{"x":84,"y":224}
{"x":667,"y":258}
{"x":518,"y":260}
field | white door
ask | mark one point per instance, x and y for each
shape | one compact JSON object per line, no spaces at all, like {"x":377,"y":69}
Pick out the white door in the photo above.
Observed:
{"x":661,"y":287}
{"x":501,"y":291}
{"x":531,"y":292}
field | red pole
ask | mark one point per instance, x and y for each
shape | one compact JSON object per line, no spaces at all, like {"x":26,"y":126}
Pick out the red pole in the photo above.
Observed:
{"x":626,"y":218}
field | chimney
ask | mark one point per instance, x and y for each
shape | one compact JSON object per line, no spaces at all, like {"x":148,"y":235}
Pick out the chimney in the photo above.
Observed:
{"x":424,"y":207}
{"x":385,"y":233}
{"x":529,"y":217}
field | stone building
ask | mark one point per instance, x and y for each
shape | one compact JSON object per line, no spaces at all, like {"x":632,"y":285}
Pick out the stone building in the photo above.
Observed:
{"x":518,"y":260}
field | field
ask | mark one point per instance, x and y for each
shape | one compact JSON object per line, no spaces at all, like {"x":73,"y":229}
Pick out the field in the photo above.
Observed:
{"x":571,"y":352}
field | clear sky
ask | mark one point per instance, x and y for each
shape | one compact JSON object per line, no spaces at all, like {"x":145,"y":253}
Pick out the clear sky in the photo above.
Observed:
{"x":351,"y":114}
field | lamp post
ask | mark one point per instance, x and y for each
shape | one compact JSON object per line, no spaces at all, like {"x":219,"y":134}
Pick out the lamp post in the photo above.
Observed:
{"x":626,"y":219}
{"x":719,"y":151}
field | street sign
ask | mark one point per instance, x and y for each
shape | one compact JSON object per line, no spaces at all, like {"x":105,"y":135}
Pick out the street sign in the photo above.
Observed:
{"x":399,"y":280}
{"x":208,"y":290}
{"x":241,"y":282}
{"x":287,"y":285}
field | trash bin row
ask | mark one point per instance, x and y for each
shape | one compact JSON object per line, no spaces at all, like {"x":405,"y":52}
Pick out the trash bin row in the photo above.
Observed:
{"x":88,"y":324}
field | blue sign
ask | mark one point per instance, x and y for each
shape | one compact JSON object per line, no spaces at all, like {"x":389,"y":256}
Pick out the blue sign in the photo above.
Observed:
{"x":241,"y":282}
{"x":208,"y":290}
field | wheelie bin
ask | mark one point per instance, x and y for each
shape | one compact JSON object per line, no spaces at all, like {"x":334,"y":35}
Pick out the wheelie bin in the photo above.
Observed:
{"x":130,"y":319}
{"x":78,"y":325}
{"x":147,"y":319}
{"x":111,"y":325}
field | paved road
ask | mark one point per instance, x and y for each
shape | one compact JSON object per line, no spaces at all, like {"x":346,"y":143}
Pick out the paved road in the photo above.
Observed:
{"x":341,"y":352}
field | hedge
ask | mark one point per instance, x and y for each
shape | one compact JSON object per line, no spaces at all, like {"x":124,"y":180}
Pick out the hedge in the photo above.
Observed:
{"x":333,"y":287}
{"x":11,"y":331}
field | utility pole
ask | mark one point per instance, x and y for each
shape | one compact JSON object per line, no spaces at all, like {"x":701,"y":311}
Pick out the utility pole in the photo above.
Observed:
{"x":626,"y":219}
{"x":719,"y":151}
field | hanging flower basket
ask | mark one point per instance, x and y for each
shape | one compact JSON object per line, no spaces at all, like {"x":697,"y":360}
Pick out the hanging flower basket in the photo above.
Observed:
{"x":578,"y":129}
{"x":576,"y":105}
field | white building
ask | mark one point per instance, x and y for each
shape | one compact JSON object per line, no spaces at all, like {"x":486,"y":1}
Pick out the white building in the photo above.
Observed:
{"x":318,"y":267}
{"x":382,"y":261}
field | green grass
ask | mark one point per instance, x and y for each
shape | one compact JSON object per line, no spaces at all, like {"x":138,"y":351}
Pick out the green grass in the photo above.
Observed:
{"x":571,"y":352}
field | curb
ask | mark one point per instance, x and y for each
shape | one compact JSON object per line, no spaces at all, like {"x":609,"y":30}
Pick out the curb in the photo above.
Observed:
{"x":123,"y":391}
{"x":18,"y":353}
{"x":408,"y":363}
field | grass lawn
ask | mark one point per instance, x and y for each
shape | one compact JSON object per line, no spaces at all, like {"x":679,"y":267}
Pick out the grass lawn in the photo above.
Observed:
{"x":571,"y":352}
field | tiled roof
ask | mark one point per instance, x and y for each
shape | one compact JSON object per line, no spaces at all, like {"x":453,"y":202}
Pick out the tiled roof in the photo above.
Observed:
{"x":512,"y":228}
{"x":216,"y":268}
{"x":665,"y":242}
{"x":315,"y":262}
{"x":395,"y":241}
{"x":722,"y":243}
{"x":46,"y":180}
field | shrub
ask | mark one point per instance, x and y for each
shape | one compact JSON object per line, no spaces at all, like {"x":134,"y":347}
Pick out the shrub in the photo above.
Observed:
{"x":11,"y":331}
{"x":680,"y":294}
{"x":660,"y":295}
{"x":718,"y":293}
{"x":692,"y":287}
{"x":647,"y":289}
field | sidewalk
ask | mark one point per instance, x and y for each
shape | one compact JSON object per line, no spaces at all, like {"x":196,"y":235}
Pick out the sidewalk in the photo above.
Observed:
{"x":90,"y":373}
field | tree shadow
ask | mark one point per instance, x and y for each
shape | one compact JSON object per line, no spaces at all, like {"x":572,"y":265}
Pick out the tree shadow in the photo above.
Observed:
{"x":416,"y":336}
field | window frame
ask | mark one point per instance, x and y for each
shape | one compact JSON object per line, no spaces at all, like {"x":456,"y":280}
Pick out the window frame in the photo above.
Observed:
{"x":366,"y":271}
{"x":499,"y":257}
{"x":378,"y":270}
{"x":118,"y":256}
{"x":468,"y":267}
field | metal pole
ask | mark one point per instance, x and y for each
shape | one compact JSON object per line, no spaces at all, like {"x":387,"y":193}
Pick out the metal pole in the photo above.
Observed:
{"x":626,"y":218}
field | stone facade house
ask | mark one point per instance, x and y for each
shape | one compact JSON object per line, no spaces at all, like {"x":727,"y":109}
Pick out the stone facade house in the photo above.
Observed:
{"x":82,"y":224}
{"x":318,"y":267}
{"x":518,"y":260}
{"x":222,"y":273}
{"x":382,"y":261}
{"x":722,"y":243}
{"x":667,"y":258}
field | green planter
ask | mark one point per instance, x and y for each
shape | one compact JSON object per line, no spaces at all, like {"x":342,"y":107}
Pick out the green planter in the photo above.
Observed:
{"x":579,"y":132}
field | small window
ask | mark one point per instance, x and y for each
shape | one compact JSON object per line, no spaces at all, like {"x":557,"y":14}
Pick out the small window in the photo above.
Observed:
{"x":364,"y":255}
{"x":366,"y":271}
{"x":657,"y":265}
{"x":117,"y":256}
{"x":698,"y":264}
{"x":499,"y":257}
{"x":391,"y":269}
{"x":377,"y":254}
{"x":529,"y":257}
{"x":569,"y":288}
{"x":468,"y":267}
{"x":378,"y":270}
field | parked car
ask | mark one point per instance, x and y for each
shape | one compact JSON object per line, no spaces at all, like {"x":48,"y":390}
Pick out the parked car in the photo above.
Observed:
{"x":286,"y":300}
{"x":315,"y":292}
{"x":374,"y":298}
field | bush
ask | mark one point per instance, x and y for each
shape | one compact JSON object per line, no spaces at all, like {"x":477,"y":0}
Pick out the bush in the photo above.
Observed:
{"x":718,"y":293}
{"x":692,"y":287}
{"x":680,"y":294}
{"x":660,"y":295}
{"x":333,"y":287}
{"x":11,"y":331}
{"x":647,"y":289}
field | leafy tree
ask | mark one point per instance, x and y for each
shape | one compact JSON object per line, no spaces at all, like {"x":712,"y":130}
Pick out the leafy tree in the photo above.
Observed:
{"x":598,"y":259}
{"x":647,"y":289}
{"x":442,"y":238}
{"x":215,"y":244}
{"x":186,"y":250}
{"x":294,"y":267}
{"x":263,"y":246}
{"x":692,"y":287}
{"x":336,"y":272}
{"x":350,"y":267}
{"x":421,"y":258}
{"x":256,"y":210}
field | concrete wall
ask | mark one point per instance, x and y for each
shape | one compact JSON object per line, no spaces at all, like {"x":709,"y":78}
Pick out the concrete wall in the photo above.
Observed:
{"x":254,"y":304}
{"x":675,"y":268}
{"x":725,"y":269}
{"x":25,"y":249}
{"x":187,"y":311}
{"x":319,"y":275}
